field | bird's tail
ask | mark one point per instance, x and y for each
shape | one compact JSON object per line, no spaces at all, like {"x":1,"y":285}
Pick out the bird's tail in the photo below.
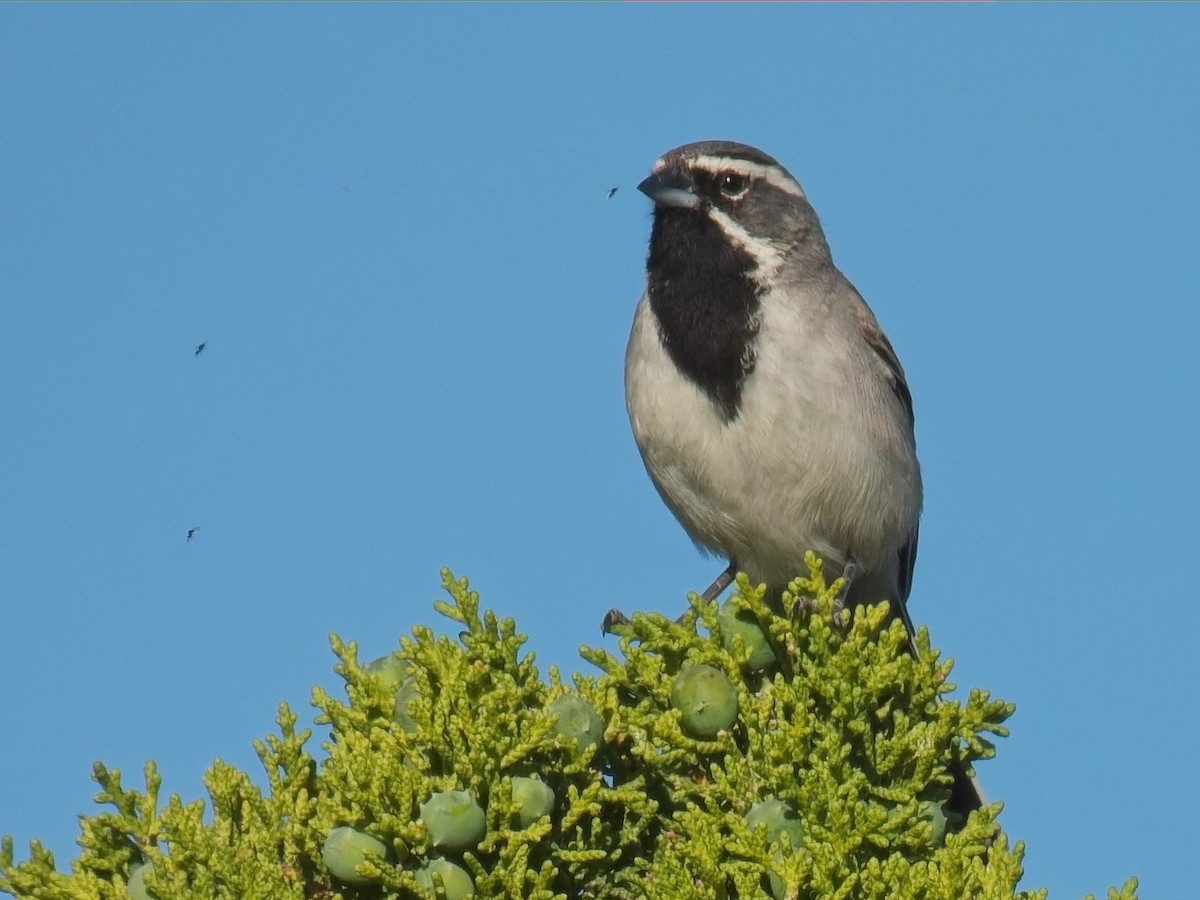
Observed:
{"x":965,"y":794}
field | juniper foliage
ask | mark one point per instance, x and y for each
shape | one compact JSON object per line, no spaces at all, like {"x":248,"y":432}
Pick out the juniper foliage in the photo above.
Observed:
{"x":828,"y":780}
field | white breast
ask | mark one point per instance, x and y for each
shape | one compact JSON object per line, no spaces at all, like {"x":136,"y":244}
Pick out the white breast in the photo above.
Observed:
{"x":819,"y":458}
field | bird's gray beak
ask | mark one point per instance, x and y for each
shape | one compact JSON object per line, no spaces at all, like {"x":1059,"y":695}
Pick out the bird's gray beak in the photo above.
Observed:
{"x":671,"y":188}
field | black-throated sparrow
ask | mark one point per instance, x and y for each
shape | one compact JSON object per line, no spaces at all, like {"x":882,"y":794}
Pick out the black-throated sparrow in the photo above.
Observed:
{"x":769,"y":408}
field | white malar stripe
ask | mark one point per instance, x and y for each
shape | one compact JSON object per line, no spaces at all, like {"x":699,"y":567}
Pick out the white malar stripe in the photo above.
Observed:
{"x":772,"y":175}
{"x":766,"y":253}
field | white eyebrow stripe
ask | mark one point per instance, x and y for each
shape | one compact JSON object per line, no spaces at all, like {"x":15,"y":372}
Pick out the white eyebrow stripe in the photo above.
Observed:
{"x":772,"y":175}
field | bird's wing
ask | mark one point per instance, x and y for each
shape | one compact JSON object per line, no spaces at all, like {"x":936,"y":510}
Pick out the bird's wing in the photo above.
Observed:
{"x":882,"y":348}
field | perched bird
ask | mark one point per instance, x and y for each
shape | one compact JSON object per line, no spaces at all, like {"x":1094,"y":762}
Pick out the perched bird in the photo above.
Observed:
{"x":770,"y":410}
{"x":200,"y":347}
{"x":192,"y":532}
{"x":611,"y":191}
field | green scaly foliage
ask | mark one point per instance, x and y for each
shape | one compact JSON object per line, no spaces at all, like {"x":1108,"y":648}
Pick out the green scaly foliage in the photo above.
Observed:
{"x":844,"y":727}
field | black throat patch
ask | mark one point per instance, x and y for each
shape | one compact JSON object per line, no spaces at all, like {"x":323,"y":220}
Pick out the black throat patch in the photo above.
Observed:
{"x":706,"y":303}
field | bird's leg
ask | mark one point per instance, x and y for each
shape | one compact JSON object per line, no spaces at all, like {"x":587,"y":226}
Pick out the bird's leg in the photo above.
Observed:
{"x":849,"y":573}
{"x":614,"y":620}
{"x":719,"y":584}
{"x":713,"y":591}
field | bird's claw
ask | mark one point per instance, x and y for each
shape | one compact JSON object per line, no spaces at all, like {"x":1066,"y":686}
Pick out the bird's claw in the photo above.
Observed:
{"x":614,"y":622}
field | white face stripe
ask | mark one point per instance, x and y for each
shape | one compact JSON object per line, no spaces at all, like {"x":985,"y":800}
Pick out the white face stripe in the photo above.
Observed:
{"x":767,"y":254}
{"x":772,"y":175}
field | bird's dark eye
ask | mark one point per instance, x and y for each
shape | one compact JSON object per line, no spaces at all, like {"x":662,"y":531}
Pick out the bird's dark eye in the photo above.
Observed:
{"x":732,"y":185}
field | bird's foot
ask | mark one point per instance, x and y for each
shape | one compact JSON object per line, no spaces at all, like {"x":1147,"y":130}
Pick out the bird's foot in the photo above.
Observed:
{"x":614,"y":622}
{"x":802,"y":607}
{"x":806,"y":606}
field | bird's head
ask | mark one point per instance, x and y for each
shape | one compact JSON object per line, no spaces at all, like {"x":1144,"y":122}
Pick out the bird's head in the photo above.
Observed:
{"x":729,"y":205}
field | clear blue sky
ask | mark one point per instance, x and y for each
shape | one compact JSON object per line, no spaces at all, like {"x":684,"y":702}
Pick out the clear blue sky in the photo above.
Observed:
{"x":389,"y":225}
